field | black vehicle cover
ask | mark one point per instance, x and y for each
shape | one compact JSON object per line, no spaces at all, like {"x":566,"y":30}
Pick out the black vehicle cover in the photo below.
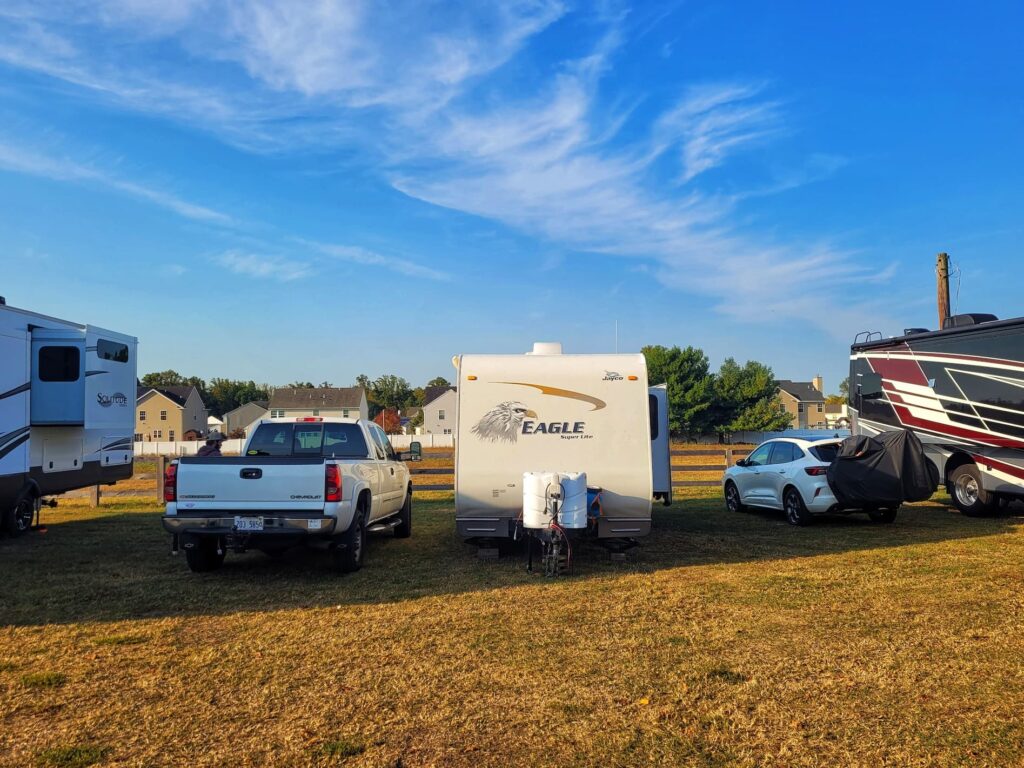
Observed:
{"x":885,"y":471}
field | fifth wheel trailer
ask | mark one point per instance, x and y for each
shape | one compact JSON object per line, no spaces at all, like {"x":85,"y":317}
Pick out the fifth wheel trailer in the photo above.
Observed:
{"x":548,"y":411}
{"x":961,"y":390}
{"x":67,"y":410}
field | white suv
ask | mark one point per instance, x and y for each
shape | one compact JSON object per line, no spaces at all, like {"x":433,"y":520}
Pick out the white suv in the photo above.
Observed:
{"x":790,"y":475}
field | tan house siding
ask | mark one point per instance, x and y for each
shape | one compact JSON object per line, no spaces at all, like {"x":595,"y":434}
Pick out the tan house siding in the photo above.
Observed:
{"x":242,"y":416}
{"x":805,"y":415}
{"x":159,"y":418}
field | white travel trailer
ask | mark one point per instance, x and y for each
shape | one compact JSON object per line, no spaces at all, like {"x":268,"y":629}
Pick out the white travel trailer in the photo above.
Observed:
{"x":67,"y":410}
{"x":549,"y":412}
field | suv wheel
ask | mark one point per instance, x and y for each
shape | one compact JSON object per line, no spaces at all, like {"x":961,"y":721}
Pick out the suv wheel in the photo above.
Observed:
{"x":796,"y":511}
{"x":348,"y":554}
{"x":732,"y":498}
{"x":404,"y":528}
{"x":968,"y":494}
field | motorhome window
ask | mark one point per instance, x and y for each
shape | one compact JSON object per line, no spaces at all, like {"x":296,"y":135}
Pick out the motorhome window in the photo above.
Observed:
{"x":870,"y":386}
{"x":271,"y":440}
{"x":345,"y":441}
{"x":826,"y":453}
{"x":309,"y":439}
{"x":652,"y":407}
{"x":111,"y":350}
{"x":760,"y":456}
{"x":59,"y":364}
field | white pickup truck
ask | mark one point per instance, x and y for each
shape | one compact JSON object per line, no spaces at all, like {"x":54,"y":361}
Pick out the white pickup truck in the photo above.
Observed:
{"x":314,"y":480}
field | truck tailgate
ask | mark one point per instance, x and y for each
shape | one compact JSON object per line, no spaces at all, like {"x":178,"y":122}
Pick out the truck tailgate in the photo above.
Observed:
{"x":251,"y":483}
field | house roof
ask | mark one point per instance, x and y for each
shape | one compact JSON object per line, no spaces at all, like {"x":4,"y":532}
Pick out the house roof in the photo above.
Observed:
{"x":317,"y":397}
{"x":803,"y":391}
{"x":264,"y":404}
{"x":177,"y":395}
{"x":430,"y":394}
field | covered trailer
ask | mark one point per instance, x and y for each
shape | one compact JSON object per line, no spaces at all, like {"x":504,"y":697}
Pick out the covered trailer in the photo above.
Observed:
{"x":67,"y":410}
{"x":550,"y":412}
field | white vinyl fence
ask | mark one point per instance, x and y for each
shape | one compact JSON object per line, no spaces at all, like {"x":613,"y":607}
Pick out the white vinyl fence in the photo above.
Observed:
{"x":234,"y":447}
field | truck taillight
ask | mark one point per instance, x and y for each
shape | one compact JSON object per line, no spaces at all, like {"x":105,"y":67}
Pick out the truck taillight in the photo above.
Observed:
{"x":171,"y":483}
{"x":332,"y":483}
{"x":816,"y":471}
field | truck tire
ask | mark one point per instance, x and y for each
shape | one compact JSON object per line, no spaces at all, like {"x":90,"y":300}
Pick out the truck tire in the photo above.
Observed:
{"x":404,"y":528}
{"x":348,"y":554}
{"x":968,"y":494}
{"x":17,"y":519}
{"x":203,"y":557}
{"x":796,"y":510}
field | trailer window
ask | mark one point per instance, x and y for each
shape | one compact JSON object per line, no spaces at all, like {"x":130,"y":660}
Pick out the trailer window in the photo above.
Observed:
{"x":344,"y":441}
{"x":111,"y":350}
{"x":59,"y":363}
{"x":652,"y":402}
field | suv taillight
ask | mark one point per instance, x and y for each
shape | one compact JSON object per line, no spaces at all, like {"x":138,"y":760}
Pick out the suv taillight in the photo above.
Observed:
{"x":332,"y":483}
{"x":815,"y":471}
{"x":171,"y":483}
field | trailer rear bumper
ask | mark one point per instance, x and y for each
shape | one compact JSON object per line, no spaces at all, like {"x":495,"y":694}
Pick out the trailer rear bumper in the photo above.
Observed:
{"x":490,"y":527}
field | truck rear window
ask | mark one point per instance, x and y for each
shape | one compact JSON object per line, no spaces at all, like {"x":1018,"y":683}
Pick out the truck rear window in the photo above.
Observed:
{"x":340,"y":441}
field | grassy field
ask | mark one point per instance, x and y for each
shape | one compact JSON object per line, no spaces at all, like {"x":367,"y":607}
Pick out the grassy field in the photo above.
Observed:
{"x":723,"y":640}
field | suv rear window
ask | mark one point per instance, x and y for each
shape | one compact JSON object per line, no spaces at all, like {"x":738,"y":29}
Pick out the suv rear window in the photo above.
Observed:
{"x":826,"y":453}
{"x":339,"y":441}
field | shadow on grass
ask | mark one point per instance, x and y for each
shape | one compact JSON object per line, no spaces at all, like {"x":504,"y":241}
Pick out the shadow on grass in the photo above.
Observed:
{"x":114,"y":564}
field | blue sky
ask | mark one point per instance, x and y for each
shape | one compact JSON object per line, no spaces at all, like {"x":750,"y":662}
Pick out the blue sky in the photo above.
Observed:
{"x":273,"y":190}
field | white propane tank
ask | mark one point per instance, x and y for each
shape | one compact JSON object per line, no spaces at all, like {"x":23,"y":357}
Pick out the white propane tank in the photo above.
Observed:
{"x":572,"y":512}
{"x":535,"y":498}
{"x":571,"y":488}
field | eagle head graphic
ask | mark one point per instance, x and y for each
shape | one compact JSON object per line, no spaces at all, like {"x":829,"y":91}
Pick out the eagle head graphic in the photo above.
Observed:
{"x":502,"y":422}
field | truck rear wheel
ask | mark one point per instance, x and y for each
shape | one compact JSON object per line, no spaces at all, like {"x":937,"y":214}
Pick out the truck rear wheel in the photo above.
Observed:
{"x":969,"y":496}
{"x":348,"y":554}
{"x":404,"y":528}
{"x":203,"y":557}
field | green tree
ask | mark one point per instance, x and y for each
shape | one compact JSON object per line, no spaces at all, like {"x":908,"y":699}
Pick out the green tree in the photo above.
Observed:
{"x":300,"y":385}
{"x":390,"y":391}
{"x":227,"y":394}
{"x":746,"y":398}
{"x":439,"y":381}
{"x":690,"y":386}
{"x":844,"y":388}
{"x":172,"y":378}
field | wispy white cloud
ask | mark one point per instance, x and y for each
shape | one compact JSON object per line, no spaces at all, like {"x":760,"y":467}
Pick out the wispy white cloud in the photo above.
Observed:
{"x":21,"y":158}
{"x":550,"y":158}
{"x":363,"y":256}
{"x":262,"y":266}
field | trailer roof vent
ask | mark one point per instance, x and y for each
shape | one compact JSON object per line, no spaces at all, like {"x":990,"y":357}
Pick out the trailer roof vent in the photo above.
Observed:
{"x":546,"y":348}
{"x":970,"y":318}
{"x":914,"y":331}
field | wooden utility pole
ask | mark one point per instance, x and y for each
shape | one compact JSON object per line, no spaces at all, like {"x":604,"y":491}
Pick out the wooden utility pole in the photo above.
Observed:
{"x":942,"y":276}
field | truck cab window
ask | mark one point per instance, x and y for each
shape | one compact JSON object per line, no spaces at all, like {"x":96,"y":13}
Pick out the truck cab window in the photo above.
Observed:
{"x":271,"y":440}
{"x":309,"y":440}
{"x":344,"y":441}
{"x":378,"y":442}
{"x":59,"y":364}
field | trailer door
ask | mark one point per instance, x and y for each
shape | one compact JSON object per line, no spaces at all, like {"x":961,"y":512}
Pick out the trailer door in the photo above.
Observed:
{"x":58,"y":377}
{"x":14,"y":412}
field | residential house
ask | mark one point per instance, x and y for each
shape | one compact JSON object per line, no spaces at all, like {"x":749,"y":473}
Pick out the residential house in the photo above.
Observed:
{"x":169,"y":414}
{"x":440,"y":410}
{"x":214,"y":424}
{"x":804,"y":401}
{"x":410,"y":416}
{"x":347,"y":402}
{"x":837,"y":415}
{"x":242,"y":417}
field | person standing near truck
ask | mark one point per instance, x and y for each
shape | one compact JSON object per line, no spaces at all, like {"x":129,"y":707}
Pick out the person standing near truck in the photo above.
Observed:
{"x":212,"y":447}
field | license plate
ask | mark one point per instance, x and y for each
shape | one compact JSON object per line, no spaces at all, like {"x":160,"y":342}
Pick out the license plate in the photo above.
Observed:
{"x":248,"y":523}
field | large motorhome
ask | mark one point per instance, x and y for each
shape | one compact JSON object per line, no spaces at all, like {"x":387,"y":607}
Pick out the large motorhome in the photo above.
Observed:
{"x":67,"y":410}
{"x":961,"y":390}
{"x":547,"y":411}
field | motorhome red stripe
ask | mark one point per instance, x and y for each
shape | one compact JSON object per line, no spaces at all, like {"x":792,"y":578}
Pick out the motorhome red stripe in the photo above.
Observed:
{"x":905,"y":371}
{"x":955,"y":358}
{"x":987,"y":438}
{"x":1009,"y":469}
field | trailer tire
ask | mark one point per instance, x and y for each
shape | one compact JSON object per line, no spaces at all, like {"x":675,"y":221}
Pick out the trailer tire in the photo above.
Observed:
{"x":17,"y":519}
{"x":203,"y":557}
{"x":404,"y":528}
{"x":968,"y":494}
{"x":886,"y":515}
{"x":348,"y":552}
{"x":796,"y":510}
{"x":732,"y":498}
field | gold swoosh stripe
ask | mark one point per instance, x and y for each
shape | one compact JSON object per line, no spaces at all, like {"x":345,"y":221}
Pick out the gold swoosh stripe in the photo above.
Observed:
{"x":556,"y":392}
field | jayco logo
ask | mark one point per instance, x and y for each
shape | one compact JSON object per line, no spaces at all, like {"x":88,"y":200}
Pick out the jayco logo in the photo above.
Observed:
{"x":117,"y":399}
{"x":612,"y":376}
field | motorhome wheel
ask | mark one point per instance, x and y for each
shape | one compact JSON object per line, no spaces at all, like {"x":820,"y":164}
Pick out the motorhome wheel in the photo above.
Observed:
{"x":969,"y":496}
